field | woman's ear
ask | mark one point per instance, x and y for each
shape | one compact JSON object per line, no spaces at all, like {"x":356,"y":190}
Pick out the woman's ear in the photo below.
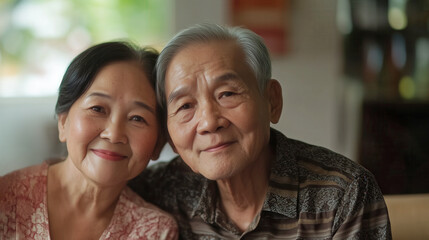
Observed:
{"x":62,"y":120}
{"x":275,"y":98}
{"x":160,"y":143}
{"x":172,"y":144}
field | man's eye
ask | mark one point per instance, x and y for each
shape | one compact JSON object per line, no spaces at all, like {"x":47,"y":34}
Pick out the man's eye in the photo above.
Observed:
{"x":184,"y":106}
{"x":227,"y":94}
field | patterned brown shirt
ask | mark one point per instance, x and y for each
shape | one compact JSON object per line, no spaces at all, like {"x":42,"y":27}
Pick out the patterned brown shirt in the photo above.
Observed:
{"x":313,"y":193}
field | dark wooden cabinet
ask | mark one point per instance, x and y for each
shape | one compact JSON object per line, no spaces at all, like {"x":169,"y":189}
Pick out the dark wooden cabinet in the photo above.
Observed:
{"x":386,"y":51}
{"x":394,"y":145}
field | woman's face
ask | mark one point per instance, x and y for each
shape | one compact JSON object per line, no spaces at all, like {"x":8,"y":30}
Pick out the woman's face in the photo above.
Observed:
{"x":111,"y":131}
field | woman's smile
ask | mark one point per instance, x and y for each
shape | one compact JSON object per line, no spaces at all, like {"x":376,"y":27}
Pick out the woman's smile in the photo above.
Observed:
{"x":108,"y":155}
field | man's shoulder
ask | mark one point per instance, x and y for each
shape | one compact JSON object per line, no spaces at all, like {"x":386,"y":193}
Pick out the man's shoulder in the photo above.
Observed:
{"x":318,"y":166}
{"x":326,"y":180}
{"x":316,"y":158}
{"x":174,"y":172}
{"x":166,"y":183}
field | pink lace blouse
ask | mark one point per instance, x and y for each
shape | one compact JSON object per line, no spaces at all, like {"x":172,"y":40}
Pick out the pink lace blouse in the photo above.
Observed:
{"x":24,"y":214}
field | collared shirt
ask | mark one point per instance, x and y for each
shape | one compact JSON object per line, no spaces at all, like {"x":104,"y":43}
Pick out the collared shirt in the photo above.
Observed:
{"x":313,"y":193}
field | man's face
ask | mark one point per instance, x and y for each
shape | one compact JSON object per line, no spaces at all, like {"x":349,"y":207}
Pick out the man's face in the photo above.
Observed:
{"x":218,"y":120}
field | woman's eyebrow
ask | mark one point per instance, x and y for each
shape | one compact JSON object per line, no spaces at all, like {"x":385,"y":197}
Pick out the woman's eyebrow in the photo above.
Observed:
{"x":99,"y":94}
{"x":145,"y":106}
{"x":138,"y":103}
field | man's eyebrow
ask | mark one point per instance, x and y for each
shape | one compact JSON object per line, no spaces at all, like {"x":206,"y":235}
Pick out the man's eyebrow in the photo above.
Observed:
{"x":176,"y":93}
{"x":138,"y":103}
{"x":183,"y":90}
{"x":225,"y":77}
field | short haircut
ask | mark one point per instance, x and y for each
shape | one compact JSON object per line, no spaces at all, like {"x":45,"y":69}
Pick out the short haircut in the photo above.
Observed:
{"x":255,"y":51}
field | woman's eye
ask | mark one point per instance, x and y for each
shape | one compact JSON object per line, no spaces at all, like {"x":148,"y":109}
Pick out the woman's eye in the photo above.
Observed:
{"x":97,"y":109}
{"x":138,"y":119}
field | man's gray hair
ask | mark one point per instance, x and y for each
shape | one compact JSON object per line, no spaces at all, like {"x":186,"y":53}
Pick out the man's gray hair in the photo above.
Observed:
{"x":256,"y":53}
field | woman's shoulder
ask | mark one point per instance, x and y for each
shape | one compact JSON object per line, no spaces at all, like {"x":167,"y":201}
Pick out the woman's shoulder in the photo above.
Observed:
{"x":133,"y":202}
{"x":21,"y":192}
{"x":26,"y":183}
{"x":134,"y":217}
{"x":25,"y":177}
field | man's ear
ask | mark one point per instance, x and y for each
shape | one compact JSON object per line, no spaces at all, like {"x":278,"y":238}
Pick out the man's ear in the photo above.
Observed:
{"x":62,"y":120}
{"x":275,"y":99}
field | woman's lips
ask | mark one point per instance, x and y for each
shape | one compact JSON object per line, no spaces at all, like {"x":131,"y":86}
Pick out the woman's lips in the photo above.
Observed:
{"x":108,"y":155}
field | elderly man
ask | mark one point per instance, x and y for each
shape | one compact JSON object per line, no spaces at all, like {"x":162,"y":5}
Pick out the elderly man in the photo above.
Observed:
{"x":237,"y":178}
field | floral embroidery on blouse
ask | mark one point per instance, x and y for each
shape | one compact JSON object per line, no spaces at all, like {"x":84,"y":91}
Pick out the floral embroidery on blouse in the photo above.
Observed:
{"x":24,"y":214}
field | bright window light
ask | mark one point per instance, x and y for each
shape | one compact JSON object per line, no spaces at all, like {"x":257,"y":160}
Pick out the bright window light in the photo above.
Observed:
{"x":39,"y":38}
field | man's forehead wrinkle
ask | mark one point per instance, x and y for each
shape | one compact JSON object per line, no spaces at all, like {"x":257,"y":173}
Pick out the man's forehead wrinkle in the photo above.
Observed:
{"x":183,"y":89}
{"x":202,"y":72}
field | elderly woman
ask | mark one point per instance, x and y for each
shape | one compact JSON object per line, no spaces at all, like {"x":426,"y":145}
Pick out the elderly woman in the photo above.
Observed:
{"x":108,"y":118}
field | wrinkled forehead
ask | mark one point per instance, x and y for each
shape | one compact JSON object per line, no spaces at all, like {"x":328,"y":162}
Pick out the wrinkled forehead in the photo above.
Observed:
{"x":206,"y":57}
{"x":207,"y":66}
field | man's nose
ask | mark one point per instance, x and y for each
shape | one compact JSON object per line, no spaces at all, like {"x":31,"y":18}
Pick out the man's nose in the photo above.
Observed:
{"x":210,"y":117}
{"x":115,"y":131}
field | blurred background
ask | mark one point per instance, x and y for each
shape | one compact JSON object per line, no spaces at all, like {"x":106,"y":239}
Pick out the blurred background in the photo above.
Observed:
{"x":355,"y":73}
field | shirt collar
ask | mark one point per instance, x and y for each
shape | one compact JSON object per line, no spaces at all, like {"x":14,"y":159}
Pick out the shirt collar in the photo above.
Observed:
{"x":282,"y":195}
{"x":205,"y":205}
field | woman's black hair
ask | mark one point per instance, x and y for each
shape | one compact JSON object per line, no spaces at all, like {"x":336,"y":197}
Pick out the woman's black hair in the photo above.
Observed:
{"x":82,"y":70}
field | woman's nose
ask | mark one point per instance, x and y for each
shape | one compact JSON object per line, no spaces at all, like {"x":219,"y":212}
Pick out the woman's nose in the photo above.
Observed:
{"x":114,"y":131}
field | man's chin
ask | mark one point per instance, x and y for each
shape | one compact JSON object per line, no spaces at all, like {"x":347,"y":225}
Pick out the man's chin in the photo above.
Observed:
{"x":218,"y":175}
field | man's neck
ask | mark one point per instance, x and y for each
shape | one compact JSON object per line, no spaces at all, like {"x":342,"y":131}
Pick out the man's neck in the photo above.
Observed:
{"x":242,"y":196}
